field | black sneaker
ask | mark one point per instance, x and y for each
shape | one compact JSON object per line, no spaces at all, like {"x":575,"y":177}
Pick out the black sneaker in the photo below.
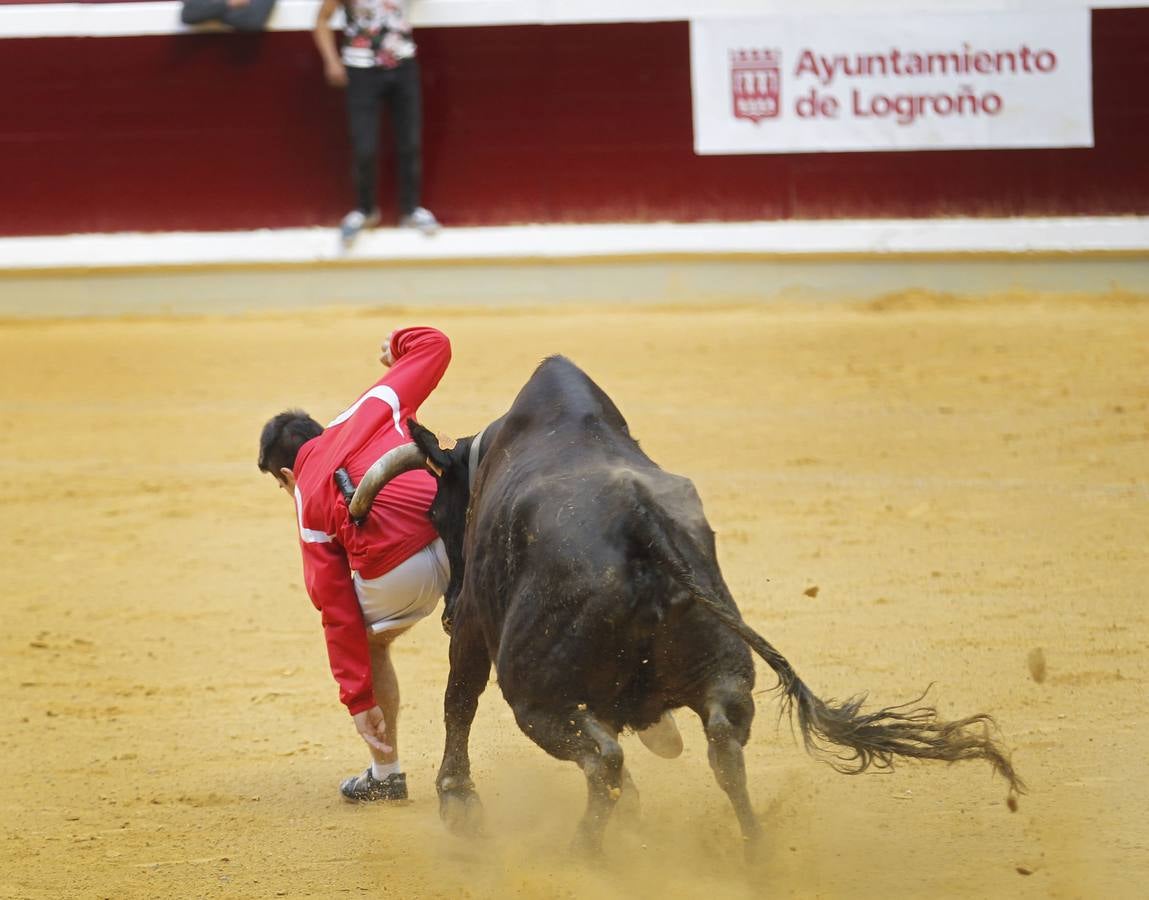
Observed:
{"x":366,"y":788}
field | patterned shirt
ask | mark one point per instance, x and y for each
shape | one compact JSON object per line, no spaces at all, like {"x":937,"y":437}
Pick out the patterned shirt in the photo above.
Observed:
{"x":377,"y":34}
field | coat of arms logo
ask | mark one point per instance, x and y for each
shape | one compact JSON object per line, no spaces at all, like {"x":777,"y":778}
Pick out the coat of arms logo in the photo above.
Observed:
{"x":756,"y":84}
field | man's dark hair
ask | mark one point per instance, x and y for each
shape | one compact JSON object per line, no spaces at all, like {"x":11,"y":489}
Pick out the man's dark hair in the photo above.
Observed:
{"x":281,"y":439}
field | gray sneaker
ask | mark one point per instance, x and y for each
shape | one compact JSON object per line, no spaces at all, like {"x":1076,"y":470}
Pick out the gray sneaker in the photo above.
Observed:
{"x":422,"y":220}
{"x":354,"y":222}
{"x":366,"y":788}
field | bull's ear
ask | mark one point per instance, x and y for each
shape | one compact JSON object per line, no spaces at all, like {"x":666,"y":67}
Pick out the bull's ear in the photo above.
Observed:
{"x":428,"y":443}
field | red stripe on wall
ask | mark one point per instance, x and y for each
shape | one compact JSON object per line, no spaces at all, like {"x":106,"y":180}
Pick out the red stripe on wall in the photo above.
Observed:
{"x":571,"y":123}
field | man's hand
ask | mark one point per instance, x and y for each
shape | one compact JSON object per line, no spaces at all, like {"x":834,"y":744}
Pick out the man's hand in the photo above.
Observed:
{"x":373,"y":729}
{"x":325,"y":43}
{"x":385,"y":356}
{"x":335,"y":73}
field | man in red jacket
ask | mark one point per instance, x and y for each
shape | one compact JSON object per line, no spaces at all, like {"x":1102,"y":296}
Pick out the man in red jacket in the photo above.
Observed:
{"x":371,"y":582}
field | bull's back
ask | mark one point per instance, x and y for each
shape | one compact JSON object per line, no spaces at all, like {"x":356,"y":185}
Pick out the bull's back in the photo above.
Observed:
{"x":567,"y":490}
{"x":558,"y":395}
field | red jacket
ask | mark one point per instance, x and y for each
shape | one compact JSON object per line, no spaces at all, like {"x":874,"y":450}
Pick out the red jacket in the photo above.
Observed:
{"x":397,"y":525}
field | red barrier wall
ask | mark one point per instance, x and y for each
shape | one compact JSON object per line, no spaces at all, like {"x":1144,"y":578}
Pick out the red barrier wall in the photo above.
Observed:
{"x":571,"y":123}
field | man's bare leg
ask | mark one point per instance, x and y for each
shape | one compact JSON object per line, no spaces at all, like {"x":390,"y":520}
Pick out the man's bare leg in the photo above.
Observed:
{"x":383,"y":780}
{"x":385,"y":683}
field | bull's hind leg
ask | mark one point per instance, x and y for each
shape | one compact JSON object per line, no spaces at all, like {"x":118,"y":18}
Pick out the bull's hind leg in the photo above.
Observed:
{"x":459,"y":805}
{"x":727,"y":725}
{"x":581,"y":738}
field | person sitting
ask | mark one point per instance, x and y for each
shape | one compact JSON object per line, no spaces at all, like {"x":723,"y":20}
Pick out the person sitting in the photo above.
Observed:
{"x":242,"y":15}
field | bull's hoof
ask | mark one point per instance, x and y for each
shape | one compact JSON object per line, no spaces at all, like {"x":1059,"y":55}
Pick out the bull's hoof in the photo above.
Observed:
{"x":461,"y":811}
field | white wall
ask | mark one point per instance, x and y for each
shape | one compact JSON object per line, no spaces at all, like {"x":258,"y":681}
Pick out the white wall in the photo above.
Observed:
{"x":497,"y":11}
{"x":162,"y":16}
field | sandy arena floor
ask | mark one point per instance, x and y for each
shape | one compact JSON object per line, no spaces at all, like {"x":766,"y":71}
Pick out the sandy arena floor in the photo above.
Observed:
{"x":962,"y":482}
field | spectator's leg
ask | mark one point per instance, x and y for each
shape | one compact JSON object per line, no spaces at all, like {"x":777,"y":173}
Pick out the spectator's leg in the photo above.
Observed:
{"x":195,"y":12}
{"x":407,"y":123}
{"x":363,"y":125}
{"x":252,"y":16}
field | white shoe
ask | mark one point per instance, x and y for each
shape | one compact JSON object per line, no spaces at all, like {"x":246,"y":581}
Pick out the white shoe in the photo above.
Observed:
{"x":662,"y":738}
{"x":422,"y":220}
{"x":354,"y":222}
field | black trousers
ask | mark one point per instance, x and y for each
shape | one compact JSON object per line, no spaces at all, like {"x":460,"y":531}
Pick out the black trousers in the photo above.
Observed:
{"x":367,"y":90}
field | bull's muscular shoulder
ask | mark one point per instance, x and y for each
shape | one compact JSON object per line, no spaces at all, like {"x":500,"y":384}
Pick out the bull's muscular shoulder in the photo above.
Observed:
{"x":559,"y":391}
{"x":559,"y":366}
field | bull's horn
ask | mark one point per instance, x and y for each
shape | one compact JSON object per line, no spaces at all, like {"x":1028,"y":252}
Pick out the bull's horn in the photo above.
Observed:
{"x":394,"y":462}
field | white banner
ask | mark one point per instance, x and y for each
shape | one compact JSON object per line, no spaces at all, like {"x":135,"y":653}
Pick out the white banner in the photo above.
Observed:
{"x":806,"y":84}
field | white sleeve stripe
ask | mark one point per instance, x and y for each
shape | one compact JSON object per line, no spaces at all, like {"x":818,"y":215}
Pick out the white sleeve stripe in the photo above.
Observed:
{"x":309,"y":535}
{"x":379,"y":392}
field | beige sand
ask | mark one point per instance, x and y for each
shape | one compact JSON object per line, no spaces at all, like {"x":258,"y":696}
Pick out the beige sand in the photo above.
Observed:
{"x":964,"y":482}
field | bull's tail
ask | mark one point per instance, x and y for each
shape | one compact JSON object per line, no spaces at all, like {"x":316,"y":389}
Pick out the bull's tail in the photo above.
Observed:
{"x":870,"y":739}
{"x":849,"y":739}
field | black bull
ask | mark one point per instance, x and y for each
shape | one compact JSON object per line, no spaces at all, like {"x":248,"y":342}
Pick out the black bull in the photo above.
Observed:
{"x":588,"y":575}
